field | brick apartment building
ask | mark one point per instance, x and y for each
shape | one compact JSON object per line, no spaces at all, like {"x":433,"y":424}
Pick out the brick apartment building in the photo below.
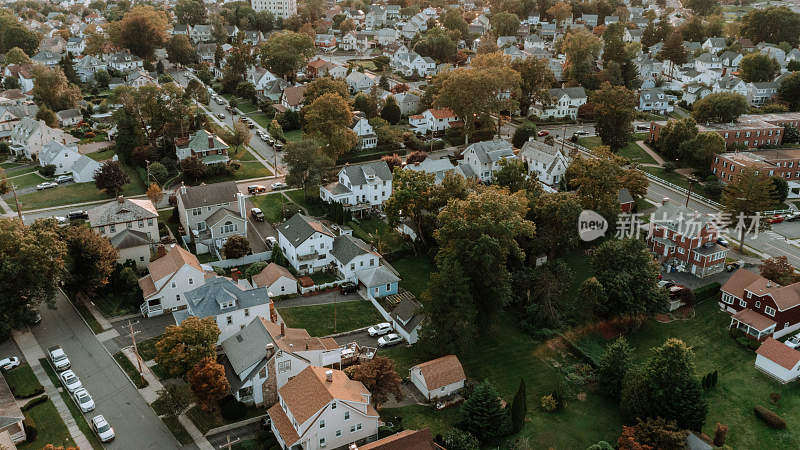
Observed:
{"x":685,"y":241}
{"x":760,"y":307}
{"x":751,"y":130}
{"x":784,"y":163}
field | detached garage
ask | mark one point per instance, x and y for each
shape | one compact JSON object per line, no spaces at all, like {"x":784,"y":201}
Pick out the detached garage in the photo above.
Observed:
{"x":438,"y":378}
{"x":778,"y":360}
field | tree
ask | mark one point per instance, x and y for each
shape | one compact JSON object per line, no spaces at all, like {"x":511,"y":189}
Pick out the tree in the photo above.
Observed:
{"x":619,"y":68}
{"x":286,"y":52}
{"x":700,"y":151}
{"x":379,"y":377}
{"x":438,"y":44}
{"x":674,"y":134}
{"x":393,"y":160}
{"x":561,"y":11}
{"x":411,"y":200}
{"x":702,"y":7}
{"x":781,"y":189}
{"x":208,"y":382}
{"x":193,"y":168}
{"x":614,"y":110}
{"x":33,"y":266}
{"x":482,"y":413}
{"x":537,"y":79}
{"x":771,"y":24}
{"x":666,"y":387}
{"x":51,"y":88}
{"x":592,"y":293}
{"x":141,"y":30}
{"x":789,"y":91}
{"x":453,"y":20}
{"x":111,"y":178}
{"x":673,"y":50}
{"x":719,"y":107}
{"x":235,"y":246}
{"x":183,"y":346}
{"x":613,"y":366}
{"x":757,"y":67}
{"x":512,"y":175}
{"x":102,"y":78}
{"x":17,"y":56}
{"x":48,"y":116}
{"x":791,"y":135}
{"x":778,"y":270}
{"x":328,"y":119}
{"x":450,"y":308}
{"x":552,"y":214}
{"x":241,"y":135}
{"x":650,"y":35}
{"x":519,"y":408}
{"x":659,"y":433}
{"x":347,"y":26}
{"x":505,"y":23}
{"x":324,"y":85}
{"x":456,"y":439}
{"x":275,"y":130}
{"x":174,"y":398}
{"x":65,"y":63}
{"x":180,"y":50}
{"x":366,"y":104}
{"x":11,"y":83}
{"x":154,"y":193}
{"x":747,"y":195}
{"x":15,"y":34}
{"x":581,"y":48}
{"x":391,"y":111}
{"x":89,"y":260}
{"x":191,"y":12}
{"x":545,"y":290}
{"x":306,"y":163}
{"x":523,"y":133}
{"x":158,"y":171}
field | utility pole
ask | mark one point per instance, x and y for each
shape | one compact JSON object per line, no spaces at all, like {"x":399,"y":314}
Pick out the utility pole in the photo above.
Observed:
{"x":133,"y":334}
{"x":16,"y":200}
{"x":229,"y":444}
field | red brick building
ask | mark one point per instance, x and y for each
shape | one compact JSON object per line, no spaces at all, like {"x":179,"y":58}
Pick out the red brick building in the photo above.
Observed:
{"x":685,"y":241}
{"x":751,"y":130}
{"x":784,"y":163}
{"x":760,"y":307}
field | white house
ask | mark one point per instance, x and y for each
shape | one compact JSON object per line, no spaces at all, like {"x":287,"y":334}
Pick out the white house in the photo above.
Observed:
{"x":354,"y":41}
{"x":761,"y":92}
{"x":88,"y":66}
{"x":707,"y":61}
{"x":656,"y":101}
{"x":76,"y":45}
{"x":29,"y":136}
{"x":23,"y":73}
{"x":132,"y":245}
{"x":124,"y":62}
{"x":778,"y":360}
{"x":211,"y":213}
{"x":352,"y":256}
{"x":116,"y":216}
{"x":292,"y":97}
{"x":366,"y":135}
{"x":67,"y":160}
{"x":11,"y":115}
{"x":200,"y":33}
{"x":438,"y":378}
{"x":306,"y":243}
{"x":277,"y":279}
{"x":360,"y":82}
{"x":546,"y":162}
{"x":432,"y":120}
{"x":386,"y":36}
{"x":714,"y":44}
{"x":261,"y":78}
{"x":170,"y":277}
{"x":411,"y":62}
{"x":360,"y":186}
{"x":69,"y":117}
{"x":408,"y":103}
{"x":484,"y":157}
{"x":279,"y":8}
{"x":564,"y":103}
{"x":323,"y":408}
{"x":730,"y":83}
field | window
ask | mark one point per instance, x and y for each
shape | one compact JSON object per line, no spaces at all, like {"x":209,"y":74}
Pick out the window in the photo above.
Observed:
{"x":284,"y":366}
{"x":388,"y":287}
{"x":338,"y":433}
{"x":742,"y":303}
{"x":347,"y":415}
{"x":191,"y":281}
{"x":358,"y":427}
{"x":247,"y":312}
{"x":178,"y":297}
{"x":333,"y":405}
{"x":352,"y":428}
{"x":229,"y":320}
{"x":322,"y":442}
{"x":728,"y":299}
{"x":141,"y":223}
{"x":196,"y":211}
{"x":129,"y":224}
{"x":112,"y":229}
{"x":770,"y":311}
{"x":173,"y":284}
{"x":149,"y":222}
{"x":758,"y":304}
{"x":322,"y":423}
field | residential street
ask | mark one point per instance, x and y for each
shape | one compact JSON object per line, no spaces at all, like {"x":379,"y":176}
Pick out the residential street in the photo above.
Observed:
{"x":135,"y":423}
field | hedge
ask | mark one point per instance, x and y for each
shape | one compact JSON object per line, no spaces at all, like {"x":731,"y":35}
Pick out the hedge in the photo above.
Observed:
{"x":30,"y":430}
{"x":34,"y":402}
{"x":770,"y":418}
{"x":706,"y":292}
{"x":361,"y":157}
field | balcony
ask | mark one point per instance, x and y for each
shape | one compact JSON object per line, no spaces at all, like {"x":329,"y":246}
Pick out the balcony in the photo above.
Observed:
{"x":308,"y":256}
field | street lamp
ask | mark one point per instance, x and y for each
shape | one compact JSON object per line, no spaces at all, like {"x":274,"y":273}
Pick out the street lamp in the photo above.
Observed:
{"x":692,"y":181}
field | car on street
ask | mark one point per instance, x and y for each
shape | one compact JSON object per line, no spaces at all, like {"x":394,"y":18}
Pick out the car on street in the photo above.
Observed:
{"x":389,"y":340}
{"x":379,"y":329}
{"x":666,"y":284}
{"x":256,"y":189}
{"x":278,"y":146}
{"x":70,"y":380}
{"x":219,"y":101}
{"x":64,"y":179}
{"x":60,"y":219}
{"x":257,"y":214}
{"x":722,"y":241}
{"x":9,"y":363}
{"x":220,"y":116}
{"x":78,"y":215}
{"x":277,"y":186}
{"x":543,"y":133}
{"x":262,"y":136}
{"x":794,"y":341}
{"x":46,"y":185}
{"x":348,"y":288}
{"x":83,"y":399}
{"x":103,"y":430}
{"x":581,"y":133}
{"x":777,"y":218}
{"x":793,"y":217}
{"x":58,"y":358}
{"x":270,"y":242}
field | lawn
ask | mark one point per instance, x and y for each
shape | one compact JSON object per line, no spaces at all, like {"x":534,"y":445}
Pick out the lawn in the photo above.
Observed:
{"x":293,"y":136}
{"x":323,"y":277}
{"x":318,"y":320}
{"x":102,"y":155}
{"x":147,"y":348}
{"x":112,"y":306}
{"x":50,"y":427}
{"x":88,"y":317}
{"x":415,"y":271}
{"x":270,"y":205}
{"x":247,"y":170}
{"x":208,"y":420}
{"x":165,"y":217}
{"x":672,"y":177}
{"x":631,"y":151}
{"x":314,"y":208}
{"x":177,"y":430}
{"x":21,"y":170}
{"x":28,"y":180}
{"x":133,"y":372}
{"x":379,"y":233}
{"x":260,"y":118}
{"x":23,"y":382}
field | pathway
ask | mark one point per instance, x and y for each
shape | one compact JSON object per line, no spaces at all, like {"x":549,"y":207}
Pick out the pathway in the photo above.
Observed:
{"x":305,"y":211}
{"x":650,"y":152}
{"x":33,"y":352}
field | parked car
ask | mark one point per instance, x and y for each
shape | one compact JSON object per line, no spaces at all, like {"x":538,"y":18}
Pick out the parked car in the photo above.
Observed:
{"x":60,"y":219}
{"x":666,"y":284}
{"x":220,"y":116}
{"x":777,"y":218}
{"x":542,"y":133}
{"x":257,"y":214}
{"x":793,"y":217}
{"x":675,"y":290}
{"x":83,"y":399}
{"x":64,"y":179}
{"x":794,"y":341}
{"x":278,"y":146}
{"x":58,"y":358}
{"x":734,"y":265}
{"x":70,"y":380}
{"x":219,"y":101}
{"x":270,"y":242}
{"x":9,"y":363}
{"x":78,"y":215}
{"x":103,"y":430}
{"x":256,"y":189}
{"x":389,"y":340}
{"x":278,"y":185}
{"x":581,"y":133}
{"x":379,"y":329}
{"x":348,"y":288}
{"x":46,"y":185}
{"x":722,"y":241}
{"x":642,"y":127}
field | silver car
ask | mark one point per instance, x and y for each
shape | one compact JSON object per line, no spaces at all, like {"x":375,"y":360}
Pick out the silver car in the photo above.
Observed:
{"x":70,"y":380}
{"x":389,"y":340}
{"x":83,"y":399}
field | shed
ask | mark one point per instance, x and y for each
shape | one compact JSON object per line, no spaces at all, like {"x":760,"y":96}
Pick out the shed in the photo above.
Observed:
{"x":439,"y":377}
{"x":778,"y":360}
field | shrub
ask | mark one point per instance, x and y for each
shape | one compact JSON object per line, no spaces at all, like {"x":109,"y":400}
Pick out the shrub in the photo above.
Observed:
{"x":34,"y":402}
{"x":774,"y":397}
{"x":39,"y":390}
{"x":770,"y":418}
{"x":669,"y":167}
{"x":232,"y":409}
{"x":707,"y":291}
{"x":30,"y":430}
{"x":549,"y":403}
{"x":48,"y":170}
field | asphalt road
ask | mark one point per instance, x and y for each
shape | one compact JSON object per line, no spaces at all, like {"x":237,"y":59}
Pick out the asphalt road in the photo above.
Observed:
{"x":135,"y":424}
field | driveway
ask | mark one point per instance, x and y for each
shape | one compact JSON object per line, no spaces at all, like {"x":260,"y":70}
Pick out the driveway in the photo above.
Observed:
{"x":9,"y":348}
{"x":319,"y":299}
{"x":362,"y":338}
{"x":134,"y":422}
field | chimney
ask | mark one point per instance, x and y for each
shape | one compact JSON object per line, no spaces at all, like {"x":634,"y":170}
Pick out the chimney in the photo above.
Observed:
{"x":120,"y":199}
{"x":283,"y":328}
{"x":270,"y":350}
{"x":183,"y":188}
{"x":161,"y":251}
{"x":329,"y":376}
{"x":235,"y":275}
{"x":211,"y":141}
{"x":273,"y":316}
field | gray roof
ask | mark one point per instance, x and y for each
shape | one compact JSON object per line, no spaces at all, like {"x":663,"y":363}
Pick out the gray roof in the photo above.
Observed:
{"x":248,"y":346}
{"x":571,"y":92}
{"x":491,"y":151}
{"x":359,"y":173}
{"x":347,"y":247}
{"x":624,"y":196}
{"x":407,"y":314}
{"x":337,"y":188}
{"x":377,"y":276}
{"x":300,"y":227}
{"x":83,"y":162}
{"x":129,"y":239}
{"x":202,"y":139}
{"x":68,"y":113}
{"x":207,"y":300}
{"x":219,"y":214}
{"x":209,"y":194}
{"x":122,"y":210}
{"x":717,"y":42}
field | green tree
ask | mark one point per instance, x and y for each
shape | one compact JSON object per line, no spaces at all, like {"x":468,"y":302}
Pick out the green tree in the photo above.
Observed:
{"x":616,"y":57}
{"x":391,"y":111}
{"x":191,"y":12}
{"x":512,"y":175}
{"x":536,"y":81}
{"x":52,"y":88}
{"x":89,"y":261}
{"x":505,"y":23}
{"x":307,"y":164}
{"x":704,"y":147}
{"x":380,"y":378}
{"x":437,"y":44}
{"x":328,"y":119}
{"x":791,"y":134}
{"x":111,"y":178}
{"x":702,"y":7}
{"x":15,"y":34}
{"x":719,"y":107}
{"x":286,"y":52}
{"x":789,"y":91}
{"x":17,"y":56}
{"x":48,"y":116}
{"x":366,"y":104}
{"x":613,"y":366}
{"x":673,"y":135}
{"x":482,"y":414}
{"x":519,"y":408}
{"x":451,"y":309}
{"x":673,"y":50}
{"x":650,"y":35}
{"x":102,"y":78}
{"x":453,"y":20}
{"x":183,"y":346}
{"x":321,"y":86}
{"x":193,"y":168}
{"x":523,"y":132}
{"x":747,"y":195}
{"x":456,"y":439}
{"x":544,"y":292}
{"x":581,"y":48}
{"x":614,"y":110}
{"x":276,"y":131}
{"x":552,"y":214}
{"x":180,"y":50}
{"x":141,"y":30}
{"x":236,"y":246}
{"x":781,"y":189}
{"x":412,"y":192}
{"x":757,"y":67}
{"x":771,"y":24}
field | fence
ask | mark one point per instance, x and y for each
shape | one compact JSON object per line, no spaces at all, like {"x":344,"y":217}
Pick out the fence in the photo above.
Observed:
{"x":243,"y":261}
{"x":322,"y":287}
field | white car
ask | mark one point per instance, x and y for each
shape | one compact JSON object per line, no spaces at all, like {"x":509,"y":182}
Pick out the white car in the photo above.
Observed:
{"x":390,"y":339}
{"x":9,"y":363}
{"x":103,"y":430}
{"x":278,"y":185}
{"x":794,"y":341}
{"x":70,"y":380}
{"x":379,"y":329}
{"x":83,"y":399}
{"x":270,"y":242}
{"x":46,"y":185}
{"x":61,"y":219}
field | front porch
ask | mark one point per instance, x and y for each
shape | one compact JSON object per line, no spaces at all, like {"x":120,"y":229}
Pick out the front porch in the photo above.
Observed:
{"x":753,"y":324}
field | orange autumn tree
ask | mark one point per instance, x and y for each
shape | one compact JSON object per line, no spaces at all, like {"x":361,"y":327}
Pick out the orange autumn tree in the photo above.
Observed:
{"x":208,"y":382}
{"x":379,"y":377}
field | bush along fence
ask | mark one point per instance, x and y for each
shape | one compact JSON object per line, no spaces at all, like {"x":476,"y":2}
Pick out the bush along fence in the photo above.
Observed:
{"x":320,"y":288}
{"x":243,"y":261}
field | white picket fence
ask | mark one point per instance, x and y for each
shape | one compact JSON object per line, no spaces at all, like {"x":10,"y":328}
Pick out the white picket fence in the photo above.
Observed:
{"x":322,"y":287}
{"x":243,"y":261}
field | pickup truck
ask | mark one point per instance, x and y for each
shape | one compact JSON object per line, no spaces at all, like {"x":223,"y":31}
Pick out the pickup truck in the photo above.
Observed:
{"x":58,"y":358}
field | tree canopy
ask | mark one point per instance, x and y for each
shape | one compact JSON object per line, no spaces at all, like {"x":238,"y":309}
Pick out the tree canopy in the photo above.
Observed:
{"x":773,"y":24}
{"x":286,"y":52}
{"x":184,"y":346}
{"x":614,"y":112}
{"x":141,"y":30}
{"x":757,"y":67}
{"x":719,"y":107}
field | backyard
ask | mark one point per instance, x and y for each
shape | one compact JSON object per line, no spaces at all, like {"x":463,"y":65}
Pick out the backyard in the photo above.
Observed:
{"x":414,"y":272}
{"x":293,"y":136}
{"x":323,"y":320}
{"x":314,"y":208}
{"x":51,"y":429}
{"x":23,"y":382}
{"x":378,"y":233}
{"x":102,"y":155}
{"x":270,"y":205}
{"x":631,"y":151}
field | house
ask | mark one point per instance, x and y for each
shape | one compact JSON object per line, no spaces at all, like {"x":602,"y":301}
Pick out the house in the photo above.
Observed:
{"x":279,"y":8}
{"x":29,"y":136}
{"x":132,"y":245}
{"x":353,"y":41}
{"x":379,"y":282}
{"x":67,"y":160}
{"x":633,"y":35}
{"x":714,"y":44}
{"x":546,"y":162}
{"x":438,"y":378}
{"x":533,"y":42}
{"x":180,"y":28}
{"x":87,"y":66}
{"x":265,"y":355}
{"x":707,"y":62}
{"x":114,"y":217}
{"x":440,"y":168}
{"x":409,"y":63}
{"x":780,"y":163}
{"x":655,"y":101}
{"x":11,"y":115}
{"x":306,"y":243}
{"x":695,"y":91}
{"x":404,"y":440}
{"x":170,"y":277}
{"x":277,"y":279}
{"x":321,"y":68}
{"x":325,"y":42}
{"x":625,"y":200}
{"x":76,"y":45}
{"x":322,"y":407}
{"x":432,"y":120}
{"x":233,"y":304}
{"x":292,"y":97}
{"x":731,"y":84}
{"x":684,"y":240}
{"x":261,"y":78}
{"x":200,"y":33}
{"x":778,"y":360}
{"x":360,"y":186}
{"x":480,"y":25}
{"x":54,"y":44}
{"x":590,"y":20}
{"x":760,"y":307}
{"x":366,"y":135}
{"x":761,"y":92}
{"x":564,"y":103}
{"x":46,"y":58}
{"x":361,"y":82}
{"x":484,"y":157}
{"x":124,"y":62}
{"x":209,"y":147}
{"x":69,"y":117}
{"x":23,"y":73}
{"x":352,"y":257}
{"x":140,"y":78}
{"x":408,"y":103}
{"x":211,"y":213}
{"x":11,"y":414}
{"x":731,"y":59}
{"x":206,"y":51}
{"x":386,"y":36}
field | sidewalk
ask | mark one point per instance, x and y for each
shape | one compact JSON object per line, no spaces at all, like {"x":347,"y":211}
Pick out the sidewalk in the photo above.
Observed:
{"x":98,"y":316}
{"x":650,"y":152}
{"x":30,"y":348}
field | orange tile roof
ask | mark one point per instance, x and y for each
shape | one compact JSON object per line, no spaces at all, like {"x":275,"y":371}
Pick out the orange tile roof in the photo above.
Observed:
{"x":168,"y":264}
{"x":283,"y":425}
{"x":441,"y":371}
{"x":308,"y":392}
{"x":779,"y":353}
{"x":442,"y":113}
{"x":271,"y":274}
{"x":296,"y":339}
{"x":404,"y":440}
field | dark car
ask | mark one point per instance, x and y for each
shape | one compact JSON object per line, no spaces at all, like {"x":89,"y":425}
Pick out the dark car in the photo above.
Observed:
{"x":348,"y":288}
{"x":78,"y":215}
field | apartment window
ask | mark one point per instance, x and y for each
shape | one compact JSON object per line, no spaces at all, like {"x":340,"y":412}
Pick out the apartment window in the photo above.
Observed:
{"x":229,"y":320}
{"x":178,"y":297}
{"x":247,"y":312}
{"x":358,"y":427}
{"x":322,"y":442}
{"x":141,"y":223}
{"x":173,"y":284}
{"x":758,"y":304}
{"x":338,"y":433}
{"x":322,"y":423}
{"x":770,"y":311}
{"x":284,"y":366}
{"x":347,"y":415}
{"x":742,"y":303}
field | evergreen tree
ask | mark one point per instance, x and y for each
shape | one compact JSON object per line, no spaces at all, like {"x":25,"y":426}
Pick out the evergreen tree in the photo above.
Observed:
{"x":519,"y":407}
{"x":69,"y":70}
{"x":613,"y":366}
{"x":482,"y":414}
{"x":391,"y":111}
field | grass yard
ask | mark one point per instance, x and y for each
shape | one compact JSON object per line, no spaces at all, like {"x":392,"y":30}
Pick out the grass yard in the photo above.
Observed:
{"x":415,"y":272}
{"x":313,"y":208}
{"x":319,"y":320}
{"x":208,"y":420}
{"x":293,"y":136}
{"x":147,"y":348}
{"x":177,"y":430}
{"x":133,"y":372}
{"x":260,"y":118}
{"x":112,"y":306}
{"x":672,"y":177}
{"x":323,"y":277}
{"x":23,"y":382}
{"x":21,"y":170}
{"x":50,"y":427}
{"x":88,"y":317}
{"x":631,"y":151}
{"x":251,"y":169}
{"x":165,"y":217}
{"x":28,"y":180}
{"x":102,"y":155}
{"x":379,"y":233}
{"x":270,"y":205}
